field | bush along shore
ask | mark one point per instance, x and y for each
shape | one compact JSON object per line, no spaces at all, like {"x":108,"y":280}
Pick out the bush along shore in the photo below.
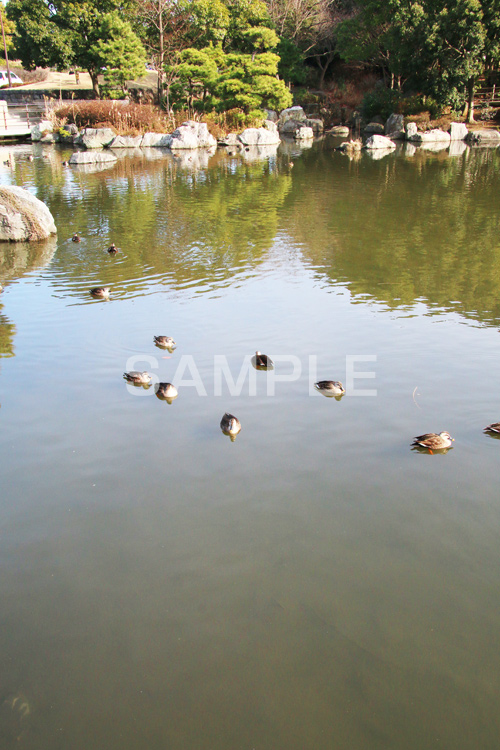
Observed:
{"x":291,"y":122}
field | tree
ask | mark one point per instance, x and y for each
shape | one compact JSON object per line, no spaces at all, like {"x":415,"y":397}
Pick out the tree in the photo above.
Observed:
{"x":64,"y":33}
{"x":120,"y":51}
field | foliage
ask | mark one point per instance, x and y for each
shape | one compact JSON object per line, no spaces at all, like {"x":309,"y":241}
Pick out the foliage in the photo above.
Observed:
{"x":291,"y":66}
{"x":9,"y":28}
{"x":121,"y":51}
{"x":122,"y":117}
{"x":64,"y":34}
{"x":209,"y":79}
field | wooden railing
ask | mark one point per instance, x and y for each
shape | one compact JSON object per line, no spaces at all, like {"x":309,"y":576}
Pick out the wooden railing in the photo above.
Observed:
{"x":19,"y":119}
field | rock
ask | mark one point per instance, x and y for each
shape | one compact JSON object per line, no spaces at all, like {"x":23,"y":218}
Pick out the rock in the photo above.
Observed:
{"x":231,"y":140}
{"x":271,"y":115}
{"x":304,"y":133}
{"x":411,"y":130}
{"x":23,"y":217}
{"x":374,"y":128}
{"x":431,"y":136}
{"x":316,"y":124}
{"x":410,"y":149}
{"x":95,"y":137}
{"x":271,"y":126}
{"x":395,"y":124}
{"x":483,"y":137}
{"x":96,"y":157}
{"x":290,"y":127}
{"x":340,"y":130}
{"x":194,"y":159}
{"x":292,"y":113}
{"x":41,"y":131}
{"x":192,"y":135}
{"x":379,"y":141}
{"x":458,"y":131}
{"x":156,"y":140}
{"x":126,"y":141}
{"x":259,"y":137}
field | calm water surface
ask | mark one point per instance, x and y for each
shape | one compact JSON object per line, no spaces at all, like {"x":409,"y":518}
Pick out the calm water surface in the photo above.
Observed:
{"x":315,"y":583}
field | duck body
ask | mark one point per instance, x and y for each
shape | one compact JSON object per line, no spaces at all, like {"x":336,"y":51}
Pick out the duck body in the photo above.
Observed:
{"x":112,"y":249}
{"x":136,"y":377}
{"x":493,"y":427}
{"x":166,"y":390}
{"x":100,"y":291}
{"x":165,"y":341}
{"x":330,"y":387}
{"x":262,"y":360}
{"x":434,"y":441}
{"x":76,"y":238}
{"x":230,"y":425}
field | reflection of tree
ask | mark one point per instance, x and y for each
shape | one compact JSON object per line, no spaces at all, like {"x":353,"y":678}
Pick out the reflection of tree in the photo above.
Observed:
{"x":400,"y":230}
{"x":7,"y":331}
{"x":188,"y":224}
{"x":16,"y":259}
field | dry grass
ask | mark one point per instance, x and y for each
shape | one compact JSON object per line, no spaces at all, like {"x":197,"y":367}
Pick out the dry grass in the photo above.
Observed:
{"x":31,"y":76}
{"x":124,"y":118}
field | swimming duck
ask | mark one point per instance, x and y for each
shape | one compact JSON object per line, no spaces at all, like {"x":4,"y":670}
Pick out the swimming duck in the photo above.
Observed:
{"x":30,"y":157}
{"x":136,"y":377}
{"x":166,"y":390}
{"x":76,"y":238}
{"x":164,"y":341}
{"x":100,"y":291}
{"x":65,"y":163}
{"x":433,"y":441}
{"x":330,"y":387}
{"x":112,"y":249}
{"x":230,"y":425}
{"x":493,"y":427}
{"x":262,"y":360}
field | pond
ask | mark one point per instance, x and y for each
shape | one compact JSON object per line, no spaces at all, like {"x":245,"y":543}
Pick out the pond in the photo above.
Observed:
{"x":315,"y":582}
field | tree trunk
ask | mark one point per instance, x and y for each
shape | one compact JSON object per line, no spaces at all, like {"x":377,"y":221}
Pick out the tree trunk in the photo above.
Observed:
{"x":161,"y":59}
{"x":95,"y":83}
{"x":471,"y":86}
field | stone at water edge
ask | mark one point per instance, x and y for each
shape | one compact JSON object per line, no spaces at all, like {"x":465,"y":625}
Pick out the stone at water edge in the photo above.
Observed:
{"x":23,"y":217}
{"x":304,"y":134}
{"x":259,"y":137}
{"x":411,"y":130}
{"x":379,"y":141}
{"x":431,"y":136}
{"x":483,"y":137}
{"x":458,"y":131}
{"x":191,"y":135}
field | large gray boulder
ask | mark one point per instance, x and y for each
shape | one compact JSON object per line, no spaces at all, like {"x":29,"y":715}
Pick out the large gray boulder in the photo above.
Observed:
{"x":192,"y":135}
{"x":316,"y":124}
{"x":156,"y":140}
{"x":458,"y":131}
{"x":259,"y":137}
{"x":23,"y":217}
{"x":395,"y":126}
{"x":431,"y":136}
{"x":126,"y":141}
{"x":374,"y":128}
{"x":292,"y":113}
{"x":340,"y":130}
{"x":290,"y":127}
{"x":411,"y":130}
{"x":92,"y":157}
{"x":484,"y":137}
{"x":95,"y":137}
{"x":304,"y":134}
{"x":379,"y":142}
{"x":43,"y":132}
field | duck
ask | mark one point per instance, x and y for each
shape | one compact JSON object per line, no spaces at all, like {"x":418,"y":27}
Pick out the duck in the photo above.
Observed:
{"x":76,"y":238}
{"x":138,"y":378}
{"x":262,"y":360}
{"x":493,"y":427}
{"x":230,"y":425}
{"x":112,"y":249}
{"x":65,"y":163}
{"x":30,"y":157}
{"x":100,"y":291}
{"x":167,"y":391}
{"x":330,"y":387}
{"x":433,"y":441}
{"x":164,"y":341}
